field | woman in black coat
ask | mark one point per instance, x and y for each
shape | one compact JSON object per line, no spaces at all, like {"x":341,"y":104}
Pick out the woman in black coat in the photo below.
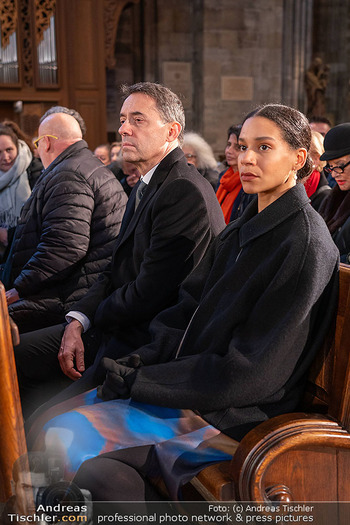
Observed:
{"x":236,"y":348}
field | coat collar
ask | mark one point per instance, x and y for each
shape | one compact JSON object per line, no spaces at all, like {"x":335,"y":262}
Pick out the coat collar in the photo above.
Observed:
{"x":253,"y":224}
{"x":131,"y":218}
{"x":72,"y":149}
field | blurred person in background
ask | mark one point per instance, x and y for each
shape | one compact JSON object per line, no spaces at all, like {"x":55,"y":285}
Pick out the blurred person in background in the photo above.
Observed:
{"x":103,"y":153}
{"x":320,"y":124}
{"x":199,"y":153}
{"x":36,"y":166}
{"x":116,"y":148}
{"x":126,"y":172}
{"x":231,"y":196}
{"x":131,"y":176}
{"x":15,"y":159}
{"x":316,"y":185}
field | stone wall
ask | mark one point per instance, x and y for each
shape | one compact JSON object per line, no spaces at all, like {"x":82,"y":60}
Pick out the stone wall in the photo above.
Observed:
{"x":331,"y":41}
{"x":242,"y":54}
{"x":224,"y":57}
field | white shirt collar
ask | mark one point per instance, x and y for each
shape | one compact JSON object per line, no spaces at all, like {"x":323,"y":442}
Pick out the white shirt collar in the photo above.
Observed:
{"x":146,"y":178}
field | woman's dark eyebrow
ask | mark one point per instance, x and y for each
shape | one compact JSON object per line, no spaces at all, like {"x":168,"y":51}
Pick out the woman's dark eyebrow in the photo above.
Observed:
{"x":259,"y":138}
{"x":265,"y":138}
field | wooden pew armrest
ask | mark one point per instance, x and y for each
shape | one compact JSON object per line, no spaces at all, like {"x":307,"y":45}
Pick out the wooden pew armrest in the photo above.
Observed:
{"x":286,"y":451}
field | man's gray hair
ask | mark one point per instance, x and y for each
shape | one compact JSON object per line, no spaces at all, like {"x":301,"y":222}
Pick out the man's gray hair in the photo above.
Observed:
{"x":168,"y":104}
{"x":67,"y":111}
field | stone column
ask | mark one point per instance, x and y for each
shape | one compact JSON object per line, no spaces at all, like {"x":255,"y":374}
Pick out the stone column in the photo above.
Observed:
{"x":297,"y":50}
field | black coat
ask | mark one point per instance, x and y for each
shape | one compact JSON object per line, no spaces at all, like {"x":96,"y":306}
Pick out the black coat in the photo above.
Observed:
{"x":65,"y":235}
{"x":335,"y":210}
{"x":341,"y":237}
{"x":157,"y":247}
{"x":259,"y":305}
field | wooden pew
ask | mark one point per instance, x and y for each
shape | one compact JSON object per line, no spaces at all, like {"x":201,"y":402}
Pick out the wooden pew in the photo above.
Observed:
{"x":294,"y":457}
{"x":301,"y":456}
{"x":12,"y":438}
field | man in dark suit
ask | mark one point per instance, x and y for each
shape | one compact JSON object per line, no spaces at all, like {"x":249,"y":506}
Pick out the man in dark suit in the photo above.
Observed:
{"x":171,"y":217}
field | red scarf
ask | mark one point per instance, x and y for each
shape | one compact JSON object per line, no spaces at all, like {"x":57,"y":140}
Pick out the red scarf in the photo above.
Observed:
{"x":312,"y":182}
{"x":229,"y":188}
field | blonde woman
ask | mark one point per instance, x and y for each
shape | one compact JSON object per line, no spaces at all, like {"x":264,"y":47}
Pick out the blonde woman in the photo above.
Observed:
{"x":316,"y":185}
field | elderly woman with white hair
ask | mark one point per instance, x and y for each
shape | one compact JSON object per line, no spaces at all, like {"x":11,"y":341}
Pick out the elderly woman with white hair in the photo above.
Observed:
{"x":198,"y":152}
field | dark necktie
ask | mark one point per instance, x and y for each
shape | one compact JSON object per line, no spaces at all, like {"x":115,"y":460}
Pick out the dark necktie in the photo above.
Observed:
{"x":139,"y":193}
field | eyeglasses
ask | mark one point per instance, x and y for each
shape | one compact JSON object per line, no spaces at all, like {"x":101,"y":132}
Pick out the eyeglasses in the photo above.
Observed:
{"x":35,"y":142}
{"x":337,"y":169}
{"x":190,"y":156}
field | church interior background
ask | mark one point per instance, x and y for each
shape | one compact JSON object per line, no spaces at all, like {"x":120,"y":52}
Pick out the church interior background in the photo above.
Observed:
{"x":222,"y":57}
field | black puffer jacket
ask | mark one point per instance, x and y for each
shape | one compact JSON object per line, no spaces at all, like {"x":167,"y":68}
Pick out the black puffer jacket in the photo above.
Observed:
{"x":65,"y":235}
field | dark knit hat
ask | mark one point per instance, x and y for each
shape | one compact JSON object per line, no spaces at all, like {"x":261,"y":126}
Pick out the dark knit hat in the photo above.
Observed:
{"x":337,"y":142}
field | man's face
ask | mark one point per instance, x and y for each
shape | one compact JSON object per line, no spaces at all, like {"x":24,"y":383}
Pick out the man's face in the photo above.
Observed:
{"x":144,"y":134}
{"x":102,"y":154}
{"x":26,"y":489}
{"x":321,"y":127}
{"x":342,"y":179}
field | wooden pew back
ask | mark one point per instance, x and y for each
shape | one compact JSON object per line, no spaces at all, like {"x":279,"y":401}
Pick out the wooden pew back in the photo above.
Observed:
{"x":327,"y":390}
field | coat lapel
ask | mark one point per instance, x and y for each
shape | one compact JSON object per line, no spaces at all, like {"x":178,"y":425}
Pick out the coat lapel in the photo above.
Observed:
{"x":131,"y":218}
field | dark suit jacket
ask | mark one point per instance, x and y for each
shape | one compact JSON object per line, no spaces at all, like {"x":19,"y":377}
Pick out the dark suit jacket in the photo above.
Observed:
{"x":157,"y":247}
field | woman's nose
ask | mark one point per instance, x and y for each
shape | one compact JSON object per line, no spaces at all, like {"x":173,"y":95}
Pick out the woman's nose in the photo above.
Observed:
{"x":247,"y":157}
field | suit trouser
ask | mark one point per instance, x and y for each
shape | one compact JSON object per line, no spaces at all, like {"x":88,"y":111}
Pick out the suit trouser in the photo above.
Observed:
{"x":41,"y":380}
{"x":39,"y":373}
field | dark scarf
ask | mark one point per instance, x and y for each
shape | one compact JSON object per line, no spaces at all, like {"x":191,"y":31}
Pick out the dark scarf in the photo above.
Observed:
{"x":335,"y":209}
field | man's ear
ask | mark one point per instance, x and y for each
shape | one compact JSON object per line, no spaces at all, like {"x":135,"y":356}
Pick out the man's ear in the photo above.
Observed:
{"x":47,"y":144}
{"x":174,"y":131}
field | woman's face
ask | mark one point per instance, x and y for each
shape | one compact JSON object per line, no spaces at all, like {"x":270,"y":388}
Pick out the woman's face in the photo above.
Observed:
{"x":190,"y":154}
{"x":8,"y":153}
{"x":232,"y":151}
{"x":342,"y":179}
{"x":114,"y":153}
{"x":266,"y":163}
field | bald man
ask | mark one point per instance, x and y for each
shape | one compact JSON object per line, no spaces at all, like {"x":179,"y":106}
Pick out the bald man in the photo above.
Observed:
{"x":67,"y":227}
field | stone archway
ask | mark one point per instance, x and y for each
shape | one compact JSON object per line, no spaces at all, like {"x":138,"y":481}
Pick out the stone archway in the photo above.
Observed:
{"x":111,"y":15}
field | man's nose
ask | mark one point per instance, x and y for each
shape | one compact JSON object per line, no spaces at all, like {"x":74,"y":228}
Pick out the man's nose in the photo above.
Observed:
{"x":124,"y":128}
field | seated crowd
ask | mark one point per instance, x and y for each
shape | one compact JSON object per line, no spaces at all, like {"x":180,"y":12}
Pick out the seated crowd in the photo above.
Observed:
{"x":165,"y":303}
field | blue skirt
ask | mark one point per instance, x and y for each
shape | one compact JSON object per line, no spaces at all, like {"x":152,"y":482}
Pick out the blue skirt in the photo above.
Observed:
{"x":184,"y":443}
